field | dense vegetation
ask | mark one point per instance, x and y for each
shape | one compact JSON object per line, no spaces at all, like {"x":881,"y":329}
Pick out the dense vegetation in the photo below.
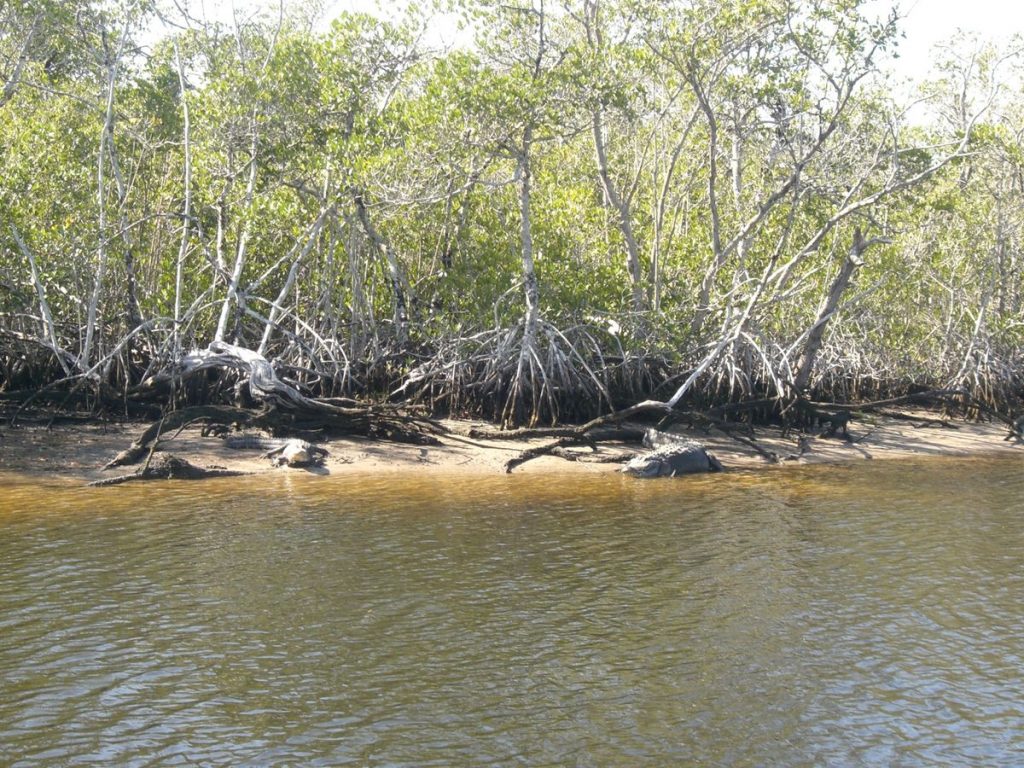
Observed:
{"x":590,"y":203}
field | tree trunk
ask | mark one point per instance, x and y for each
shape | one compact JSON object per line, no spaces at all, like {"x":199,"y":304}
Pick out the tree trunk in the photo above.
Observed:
{"x":243,"y":238}
{"x":622,"y":213}
{"x":277,"y":308}
{"x":44,"y":306}
{"x":101,"y":249}
{"x":12,"y":80}
{"x":186,"y":214}
{"x":382,"y":246}
{"x":531,"y":288}
{"x":717,"y":254}
{"x":812,"y":346}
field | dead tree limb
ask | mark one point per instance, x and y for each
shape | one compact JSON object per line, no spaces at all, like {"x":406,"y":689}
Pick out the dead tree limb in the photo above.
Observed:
{"x":556,"y":448}
{"x":616,"y":417}
{"x":770,"y":456}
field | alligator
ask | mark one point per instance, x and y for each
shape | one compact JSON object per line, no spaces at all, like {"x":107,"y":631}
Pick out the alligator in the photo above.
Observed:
{"x":672,"y":455}
{"x":290,"y":451}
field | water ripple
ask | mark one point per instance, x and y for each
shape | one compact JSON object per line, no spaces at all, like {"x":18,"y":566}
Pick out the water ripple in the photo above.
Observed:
{"x":821,"y":617}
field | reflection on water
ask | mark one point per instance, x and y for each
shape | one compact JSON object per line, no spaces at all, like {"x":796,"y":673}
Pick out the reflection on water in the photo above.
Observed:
{"x":845,"y":616}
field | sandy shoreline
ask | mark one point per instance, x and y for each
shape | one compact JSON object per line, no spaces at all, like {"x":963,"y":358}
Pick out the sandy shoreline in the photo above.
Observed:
{"x":77,"y":452}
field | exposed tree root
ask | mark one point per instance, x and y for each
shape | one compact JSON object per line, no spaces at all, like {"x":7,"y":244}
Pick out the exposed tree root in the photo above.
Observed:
{"x":934,"y":395}
{"x":513,"y":378}
{"x":825,"y":419}
{"x":284,"y":411}
{"x":919,"y":421}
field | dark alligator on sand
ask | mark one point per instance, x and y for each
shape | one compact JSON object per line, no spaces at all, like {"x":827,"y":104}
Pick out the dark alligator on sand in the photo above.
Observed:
{"x":672,"y":455}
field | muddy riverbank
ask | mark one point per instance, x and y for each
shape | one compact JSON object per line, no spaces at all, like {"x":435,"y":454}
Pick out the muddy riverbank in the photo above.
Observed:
{"x":79,"y":451}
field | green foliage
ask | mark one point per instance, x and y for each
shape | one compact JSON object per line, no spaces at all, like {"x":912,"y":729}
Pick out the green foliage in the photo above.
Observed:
{"x":349,"y":169}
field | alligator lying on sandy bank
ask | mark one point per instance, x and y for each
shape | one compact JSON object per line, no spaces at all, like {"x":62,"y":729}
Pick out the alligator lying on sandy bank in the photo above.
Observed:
{"x":671,"y":455}
{"x":293,"y":452}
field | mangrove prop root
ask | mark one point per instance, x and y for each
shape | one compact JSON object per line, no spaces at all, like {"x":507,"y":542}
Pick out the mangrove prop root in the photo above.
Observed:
{"x":285,"y":409}
{"x":831,"y":418}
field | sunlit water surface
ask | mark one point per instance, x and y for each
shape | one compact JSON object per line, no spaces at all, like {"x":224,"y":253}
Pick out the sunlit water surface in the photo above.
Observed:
{"x":863,"y":615}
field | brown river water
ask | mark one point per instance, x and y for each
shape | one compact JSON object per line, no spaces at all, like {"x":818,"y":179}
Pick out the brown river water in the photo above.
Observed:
{"x":870,"y":614}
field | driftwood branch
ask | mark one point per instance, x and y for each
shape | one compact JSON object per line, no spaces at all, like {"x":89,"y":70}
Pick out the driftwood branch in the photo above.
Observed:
{"x":556,"y":448}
